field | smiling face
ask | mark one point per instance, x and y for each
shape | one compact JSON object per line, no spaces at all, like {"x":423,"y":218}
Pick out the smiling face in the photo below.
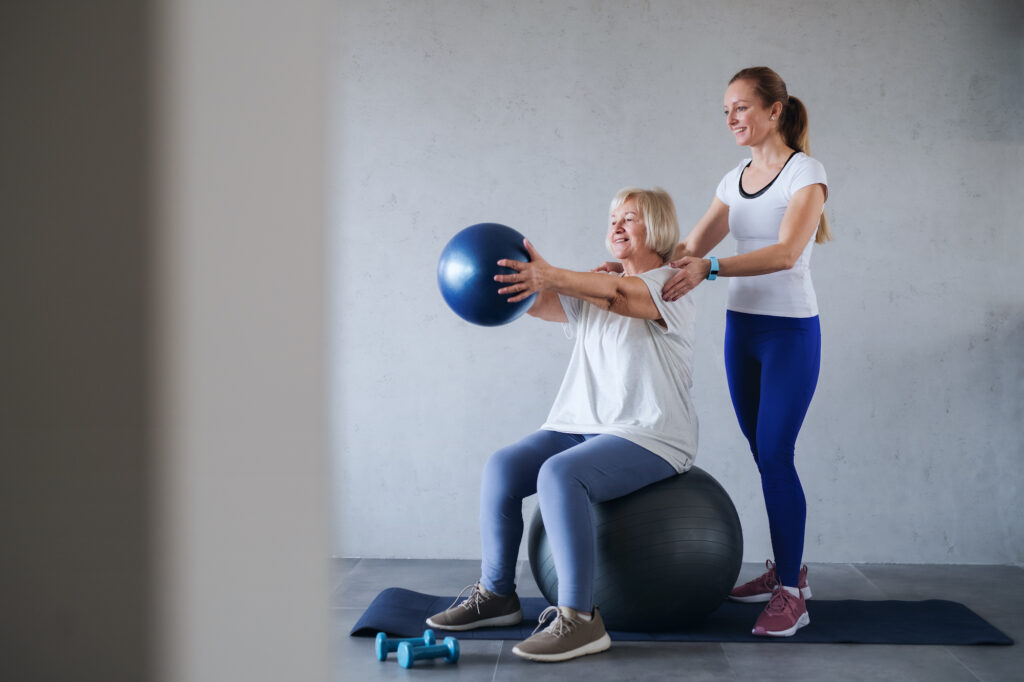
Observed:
{"x":627,"y":234}
{"x":749,"y":119}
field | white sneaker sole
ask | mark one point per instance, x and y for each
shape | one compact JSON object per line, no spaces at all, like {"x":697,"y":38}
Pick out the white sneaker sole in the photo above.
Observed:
{"x":595,"y":647}
{"x":758,"y":598}
{"x":498,"y":621}
{"x":803,"y":620}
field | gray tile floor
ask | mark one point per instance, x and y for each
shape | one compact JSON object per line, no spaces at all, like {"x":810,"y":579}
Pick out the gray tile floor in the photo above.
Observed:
{"x":994,"y":592}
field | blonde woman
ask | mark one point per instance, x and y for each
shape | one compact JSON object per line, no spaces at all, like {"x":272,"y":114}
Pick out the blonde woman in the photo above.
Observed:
{"x":622,"y":420}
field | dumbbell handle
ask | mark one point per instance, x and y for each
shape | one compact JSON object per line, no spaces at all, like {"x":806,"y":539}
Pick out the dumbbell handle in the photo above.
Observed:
{"x":384,"y":645}
{"x":409,"y":654}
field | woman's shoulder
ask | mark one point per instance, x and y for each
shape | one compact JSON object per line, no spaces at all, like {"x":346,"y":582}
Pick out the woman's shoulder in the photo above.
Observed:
{"x":659,"y":275}
{"x":656,"y":279}
{"x":802,"y":161}
{"x":803,"y":170}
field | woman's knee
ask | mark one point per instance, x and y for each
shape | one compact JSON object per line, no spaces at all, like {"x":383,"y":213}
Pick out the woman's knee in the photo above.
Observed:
{"x":558,"y":474}
{"x":506,"y":474}
{"x":778,"y":469}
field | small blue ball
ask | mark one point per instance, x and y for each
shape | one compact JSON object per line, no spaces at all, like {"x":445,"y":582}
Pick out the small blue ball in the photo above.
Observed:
{"x":466,"y":270}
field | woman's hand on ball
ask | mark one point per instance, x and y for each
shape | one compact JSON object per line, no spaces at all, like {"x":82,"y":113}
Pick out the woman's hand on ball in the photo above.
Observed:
{"x":692,"y":271}
{"x":528,"y":279}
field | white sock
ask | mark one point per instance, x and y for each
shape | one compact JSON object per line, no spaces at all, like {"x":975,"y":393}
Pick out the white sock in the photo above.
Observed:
{"x":792,"y":590}
{"x":573,"y":613}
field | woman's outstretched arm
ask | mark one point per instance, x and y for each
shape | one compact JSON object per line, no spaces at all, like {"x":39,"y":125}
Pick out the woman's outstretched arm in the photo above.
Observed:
{"x":628,"y":296}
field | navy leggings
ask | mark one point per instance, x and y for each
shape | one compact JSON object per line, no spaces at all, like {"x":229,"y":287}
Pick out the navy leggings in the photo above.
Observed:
{"x":568,"y":472}
{"x":772,"y":365}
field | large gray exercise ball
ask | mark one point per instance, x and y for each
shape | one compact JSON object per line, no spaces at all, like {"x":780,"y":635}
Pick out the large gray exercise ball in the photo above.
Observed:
{"x":667,"y":554}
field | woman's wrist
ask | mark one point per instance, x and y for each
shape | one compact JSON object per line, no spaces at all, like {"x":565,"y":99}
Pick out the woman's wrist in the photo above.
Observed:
{"x":711,"y":267}
{"x":555,"y":279}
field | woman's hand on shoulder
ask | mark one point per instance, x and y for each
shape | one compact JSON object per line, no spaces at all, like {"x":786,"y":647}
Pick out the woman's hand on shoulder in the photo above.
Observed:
{"x":692,"y":271}
{"x":609,"y":266}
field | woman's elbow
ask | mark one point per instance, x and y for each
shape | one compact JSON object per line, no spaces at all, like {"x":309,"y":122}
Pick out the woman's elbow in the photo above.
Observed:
{"x":542,"y":310}
{"x":788,"y":259}
{"x":615,"y":303}
{"x":627,"y":307}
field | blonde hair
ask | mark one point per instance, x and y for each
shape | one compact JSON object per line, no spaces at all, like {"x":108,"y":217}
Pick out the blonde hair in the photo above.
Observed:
{"x":658,"y":212}
{"x":793,"y":123}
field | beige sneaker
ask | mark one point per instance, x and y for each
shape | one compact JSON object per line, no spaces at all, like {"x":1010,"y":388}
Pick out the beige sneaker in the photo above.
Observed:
{"x":568,"y":636}
{"x":479,"y":610}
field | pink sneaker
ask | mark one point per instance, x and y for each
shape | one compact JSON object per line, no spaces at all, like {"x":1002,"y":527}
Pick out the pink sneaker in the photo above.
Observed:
{"x":760,"y":589}
{"x":785,"y":614}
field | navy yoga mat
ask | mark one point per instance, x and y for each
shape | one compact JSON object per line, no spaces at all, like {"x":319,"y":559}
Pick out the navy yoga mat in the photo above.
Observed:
{"x":401,"y":613}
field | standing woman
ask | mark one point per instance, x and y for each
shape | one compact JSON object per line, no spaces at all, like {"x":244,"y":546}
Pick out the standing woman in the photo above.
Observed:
{"x":773,"y":205}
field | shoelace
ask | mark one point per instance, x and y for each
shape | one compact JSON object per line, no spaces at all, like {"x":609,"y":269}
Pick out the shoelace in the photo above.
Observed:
{"x":475,"y":598}
{"x":768,"y":580}
{"x":780,"y":601}
{"x":559,"y":627}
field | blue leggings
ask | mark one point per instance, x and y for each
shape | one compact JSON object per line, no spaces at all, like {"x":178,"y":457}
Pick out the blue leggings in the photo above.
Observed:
{"x":568,"y":472}
{"x":772,"y":366}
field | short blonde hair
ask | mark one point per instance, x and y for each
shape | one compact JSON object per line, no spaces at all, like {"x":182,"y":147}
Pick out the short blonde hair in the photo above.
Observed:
{"x":658,"y":212}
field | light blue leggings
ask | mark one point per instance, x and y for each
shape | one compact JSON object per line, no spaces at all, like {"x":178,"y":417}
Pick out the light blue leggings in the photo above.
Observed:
{"x":568,"y":472}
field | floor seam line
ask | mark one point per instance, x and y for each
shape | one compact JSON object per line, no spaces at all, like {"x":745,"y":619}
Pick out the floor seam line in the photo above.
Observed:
{"x":870,"y":581}
{"x":498,"y":661}
{"x":963,"y":663}
{"x":728,"y":661}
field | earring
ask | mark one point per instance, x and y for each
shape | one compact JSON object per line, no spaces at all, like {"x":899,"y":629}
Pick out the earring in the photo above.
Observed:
{"x":773,"y":118}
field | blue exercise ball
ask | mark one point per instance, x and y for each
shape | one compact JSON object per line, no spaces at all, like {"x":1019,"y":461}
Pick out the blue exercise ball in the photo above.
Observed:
{"x":667,"y":554}
{"x":466,"y":270}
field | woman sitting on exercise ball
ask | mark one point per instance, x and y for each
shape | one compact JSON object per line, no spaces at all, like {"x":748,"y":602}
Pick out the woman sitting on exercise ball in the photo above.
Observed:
{"x":622,"y":419}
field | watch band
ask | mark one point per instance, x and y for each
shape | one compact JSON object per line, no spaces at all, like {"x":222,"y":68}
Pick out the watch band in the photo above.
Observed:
{"x":713,"y":273}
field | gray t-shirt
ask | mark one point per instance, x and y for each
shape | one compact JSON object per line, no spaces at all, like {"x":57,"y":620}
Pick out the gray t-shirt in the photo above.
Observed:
{"x":630,"y":377}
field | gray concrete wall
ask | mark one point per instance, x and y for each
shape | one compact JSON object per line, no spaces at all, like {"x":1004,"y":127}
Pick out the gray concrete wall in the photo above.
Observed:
{"x":533,"y":114}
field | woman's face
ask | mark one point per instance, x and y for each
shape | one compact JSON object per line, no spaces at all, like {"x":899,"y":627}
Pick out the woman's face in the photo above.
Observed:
{"x":747,"y":117}
{"x":627,"y":234}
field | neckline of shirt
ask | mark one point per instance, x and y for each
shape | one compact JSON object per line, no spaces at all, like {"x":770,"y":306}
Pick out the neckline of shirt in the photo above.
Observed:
{"x":747,"y":195}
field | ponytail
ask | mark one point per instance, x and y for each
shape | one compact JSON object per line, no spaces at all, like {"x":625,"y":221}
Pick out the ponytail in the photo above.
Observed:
{"x":793,"y":124}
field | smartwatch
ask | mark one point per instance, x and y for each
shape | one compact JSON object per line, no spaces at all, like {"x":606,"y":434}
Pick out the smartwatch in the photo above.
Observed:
{"x":713,"y":273}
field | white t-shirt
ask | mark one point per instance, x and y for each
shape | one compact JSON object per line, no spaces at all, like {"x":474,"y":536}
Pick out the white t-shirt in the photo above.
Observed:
{"x":630,"y":377}
{"x":754,"y":220}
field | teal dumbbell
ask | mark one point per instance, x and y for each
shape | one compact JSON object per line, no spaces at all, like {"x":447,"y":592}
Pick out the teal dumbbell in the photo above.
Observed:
{"x":409,"y":654}
{"x":384,"y":645}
